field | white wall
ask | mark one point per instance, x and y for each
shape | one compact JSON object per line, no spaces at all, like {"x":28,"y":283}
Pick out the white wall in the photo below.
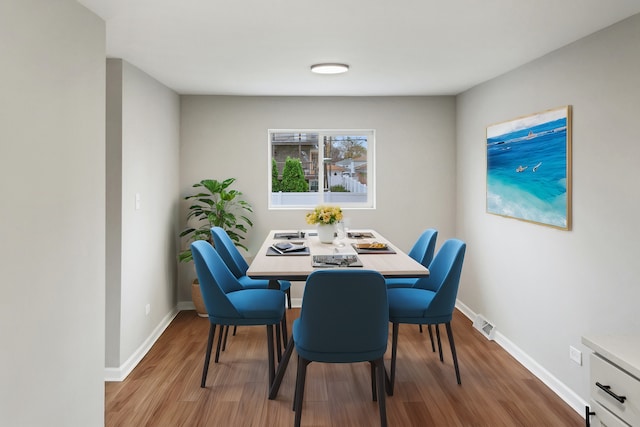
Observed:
{"x":113,"y":294}
{"x":226,"y":136}
{"x":52,"y":214}
{"x":544,"y":288}
{"x":143,"y":146}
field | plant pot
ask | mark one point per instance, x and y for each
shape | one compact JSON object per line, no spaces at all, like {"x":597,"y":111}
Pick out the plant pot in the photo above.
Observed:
{"x":196,"y":297}
{"x":326,"y":233}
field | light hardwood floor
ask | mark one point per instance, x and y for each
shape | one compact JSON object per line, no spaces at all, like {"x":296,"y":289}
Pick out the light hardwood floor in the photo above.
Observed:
{"x":164,"y":389}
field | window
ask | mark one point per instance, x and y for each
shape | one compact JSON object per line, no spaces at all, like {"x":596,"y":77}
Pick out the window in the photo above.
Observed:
{"x":312,"y":167}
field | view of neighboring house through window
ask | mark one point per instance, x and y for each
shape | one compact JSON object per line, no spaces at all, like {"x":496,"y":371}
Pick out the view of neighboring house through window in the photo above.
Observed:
{"x":313,"y":167}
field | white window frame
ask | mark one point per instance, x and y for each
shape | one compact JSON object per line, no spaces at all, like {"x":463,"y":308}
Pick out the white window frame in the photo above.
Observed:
{"x":370,"y":202}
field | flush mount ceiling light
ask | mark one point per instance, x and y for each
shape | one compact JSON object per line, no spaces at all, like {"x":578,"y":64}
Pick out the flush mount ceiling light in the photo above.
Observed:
{"x":329,"y":68}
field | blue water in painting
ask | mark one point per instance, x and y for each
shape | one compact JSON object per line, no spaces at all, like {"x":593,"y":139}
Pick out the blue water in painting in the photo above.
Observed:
{"x":526,"y":173}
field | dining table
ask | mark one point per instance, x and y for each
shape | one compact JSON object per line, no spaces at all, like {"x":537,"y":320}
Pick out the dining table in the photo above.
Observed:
{"x":374,"y":251}
{"x":290,"y":255}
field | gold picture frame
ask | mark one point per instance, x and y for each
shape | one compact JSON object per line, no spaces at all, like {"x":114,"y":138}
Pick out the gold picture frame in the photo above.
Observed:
{"x":529,"y":168}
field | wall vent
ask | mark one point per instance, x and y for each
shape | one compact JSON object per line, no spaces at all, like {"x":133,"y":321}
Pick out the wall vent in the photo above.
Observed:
{"x":485,"y":327}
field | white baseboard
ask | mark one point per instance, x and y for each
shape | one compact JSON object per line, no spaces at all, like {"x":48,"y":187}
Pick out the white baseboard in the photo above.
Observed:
{"x":120,"y":373}
{"x":558,"y":387}
{"x":186,"y":305}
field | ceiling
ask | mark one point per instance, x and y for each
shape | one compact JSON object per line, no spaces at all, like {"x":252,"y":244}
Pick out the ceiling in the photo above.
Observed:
{"x":404,"y":47}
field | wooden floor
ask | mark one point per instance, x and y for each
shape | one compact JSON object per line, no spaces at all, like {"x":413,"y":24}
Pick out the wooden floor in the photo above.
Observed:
{"x":164,"y":389}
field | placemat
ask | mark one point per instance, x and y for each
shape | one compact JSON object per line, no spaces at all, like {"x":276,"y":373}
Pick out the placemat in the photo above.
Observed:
{"x":303,"y":252}
{"x":289,"y":235}
{"x":360,"y":235}
{"x":386,"y":250}
{"x":337,"y":260}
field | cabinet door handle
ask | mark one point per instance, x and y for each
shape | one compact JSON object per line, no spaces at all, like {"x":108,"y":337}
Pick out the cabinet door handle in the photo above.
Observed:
{"x":587,"y":416}
{"x":607,"y":389}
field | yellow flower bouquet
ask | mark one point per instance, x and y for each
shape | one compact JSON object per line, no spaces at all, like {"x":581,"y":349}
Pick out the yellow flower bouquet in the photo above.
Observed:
{"x":324,"y":215}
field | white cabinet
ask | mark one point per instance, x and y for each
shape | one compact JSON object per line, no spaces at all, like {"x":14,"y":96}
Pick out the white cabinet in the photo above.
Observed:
{"x":614,"y":381}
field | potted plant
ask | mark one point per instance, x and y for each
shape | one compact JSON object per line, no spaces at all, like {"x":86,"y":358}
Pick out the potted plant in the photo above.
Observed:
{"x":214,"y":205}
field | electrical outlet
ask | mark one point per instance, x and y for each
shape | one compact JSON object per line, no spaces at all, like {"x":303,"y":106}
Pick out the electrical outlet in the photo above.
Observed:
{"x":575,"y":355}
{"x":147,"y":309}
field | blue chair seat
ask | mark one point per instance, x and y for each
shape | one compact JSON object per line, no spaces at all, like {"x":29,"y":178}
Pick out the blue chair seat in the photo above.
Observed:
{"x":258,"y":306}
{"x":409,"y":303}
{"x":346,"y":351}
{"x":400,"y":283}
{"x":249,"y":283}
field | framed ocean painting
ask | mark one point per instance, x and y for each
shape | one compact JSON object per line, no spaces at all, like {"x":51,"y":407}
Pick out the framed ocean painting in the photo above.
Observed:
{"x":529,"y":168}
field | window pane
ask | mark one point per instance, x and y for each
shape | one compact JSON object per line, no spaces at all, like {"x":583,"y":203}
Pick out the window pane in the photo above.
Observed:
{"x":345,"y":164}
{"x":294,"y":169}
{"x":314,"y":167}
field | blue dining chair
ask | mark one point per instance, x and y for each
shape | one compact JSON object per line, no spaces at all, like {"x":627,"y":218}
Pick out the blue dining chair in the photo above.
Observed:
{"x":228,"y":303}
{"x":430,"y":301}
{"x":422,"y":251}
{"x":350,"y":328}
{"x":238,"y":266}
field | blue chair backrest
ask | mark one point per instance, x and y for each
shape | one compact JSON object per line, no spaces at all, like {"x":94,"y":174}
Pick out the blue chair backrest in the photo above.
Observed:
{"x":444,"y":278}
{"x":215,"y":280}
{"x":441,"y":265}
{"x":228,"y":251}
{"x":422,"y":251}
{"x":344,"y":311}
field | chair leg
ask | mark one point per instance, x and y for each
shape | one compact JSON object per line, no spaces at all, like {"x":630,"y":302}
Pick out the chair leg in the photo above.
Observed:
{"x":285,"y":338}
{"x":224,"y":340}
{"x":295,"y":389}
{"x":299,"y":393}
{"x":235,"y":328}
{"x":288,"y":293}
{"x":453,"y":351}
{"x":278,"y":342}
{"x":220,"y":334}
{"x":394,"y":350}
{"x":379,"y":368}
{"x":433,"y":347}
{"x":374,"y":391}
{"x":439,"y":343}
{"x":272,"y":369}
{"x":207,"y":357}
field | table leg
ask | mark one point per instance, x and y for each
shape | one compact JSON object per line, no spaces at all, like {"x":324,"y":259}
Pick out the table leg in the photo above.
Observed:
{"x":270,"y":350}
{"x":273,"y":284}
{"x":282,"y":368}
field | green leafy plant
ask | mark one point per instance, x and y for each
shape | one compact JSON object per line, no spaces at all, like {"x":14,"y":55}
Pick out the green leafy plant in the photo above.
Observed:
{"x":216,"y":205}
{"x":275,"y":182}
{"x":293,"y":177}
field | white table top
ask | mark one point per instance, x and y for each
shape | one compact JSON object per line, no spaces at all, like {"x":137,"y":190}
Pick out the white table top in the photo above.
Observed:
{"x":298,"y":267}
{"x":622,"y":350}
